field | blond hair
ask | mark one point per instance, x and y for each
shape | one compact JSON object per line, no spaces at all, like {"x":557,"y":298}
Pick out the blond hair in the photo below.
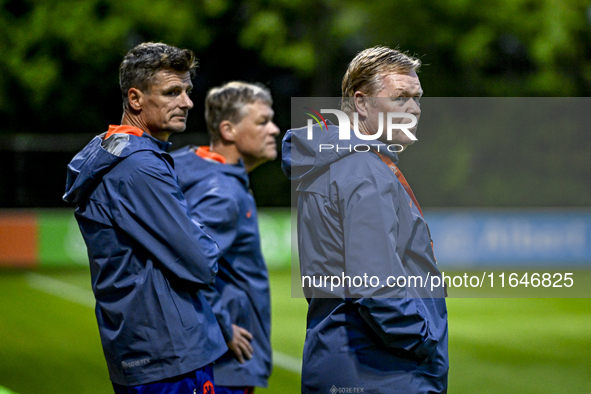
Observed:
{"x":366,"y":71}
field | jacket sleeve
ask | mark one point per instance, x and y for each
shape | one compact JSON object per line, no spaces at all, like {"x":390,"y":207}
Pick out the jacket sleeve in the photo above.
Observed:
{"x":212,"y":205}
{"x":152,"y":210}
{"x":370,"y":207}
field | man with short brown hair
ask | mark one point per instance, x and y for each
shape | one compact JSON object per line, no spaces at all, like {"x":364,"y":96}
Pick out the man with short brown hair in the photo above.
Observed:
{"x":149,"y":261}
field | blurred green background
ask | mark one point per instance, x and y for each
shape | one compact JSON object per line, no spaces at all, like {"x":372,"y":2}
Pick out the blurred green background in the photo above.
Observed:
{"x":59,"y":87}
{"x":59,"y":82}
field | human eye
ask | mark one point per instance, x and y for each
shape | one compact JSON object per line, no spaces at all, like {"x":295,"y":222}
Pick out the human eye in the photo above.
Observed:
{"x":265,"y":119}
{"x":399,"y":101}
{"x":173,"y":91}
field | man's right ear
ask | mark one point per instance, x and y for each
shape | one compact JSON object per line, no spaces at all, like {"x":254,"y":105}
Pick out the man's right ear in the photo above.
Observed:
{"x":361,"y":103}
{"x":227,"y":131}
{"x":135,"y":98}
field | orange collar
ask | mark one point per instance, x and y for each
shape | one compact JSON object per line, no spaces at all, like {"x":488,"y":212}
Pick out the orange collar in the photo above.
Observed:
{"x":401,"y":179}
{"x":125,"y":129}
{"x":205,"y":153}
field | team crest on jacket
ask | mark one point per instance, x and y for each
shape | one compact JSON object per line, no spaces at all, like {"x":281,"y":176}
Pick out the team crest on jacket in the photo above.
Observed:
{"x":208,"y":388}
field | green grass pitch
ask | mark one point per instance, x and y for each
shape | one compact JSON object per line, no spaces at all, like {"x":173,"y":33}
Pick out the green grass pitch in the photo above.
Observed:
{"x":49,"y":341}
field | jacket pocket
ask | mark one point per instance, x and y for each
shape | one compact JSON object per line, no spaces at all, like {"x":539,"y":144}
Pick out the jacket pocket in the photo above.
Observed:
{"x":184,"y":306}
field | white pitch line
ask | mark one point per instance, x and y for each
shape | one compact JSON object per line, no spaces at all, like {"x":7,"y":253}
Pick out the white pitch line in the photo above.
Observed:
{"x":4,"y":390}
{"x":63,"y":290}
{"x":69,"y":292}
{"x":287,"y":362}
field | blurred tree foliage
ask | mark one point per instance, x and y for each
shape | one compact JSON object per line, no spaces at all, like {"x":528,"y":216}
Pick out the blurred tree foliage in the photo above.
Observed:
{"x":59,"y":58}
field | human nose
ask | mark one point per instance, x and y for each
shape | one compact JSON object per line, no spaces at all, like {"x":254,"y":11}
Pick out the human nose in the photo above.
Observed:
{"x":274,"y":129}
{"x":186,"y":101}
{"x":413,"y":107}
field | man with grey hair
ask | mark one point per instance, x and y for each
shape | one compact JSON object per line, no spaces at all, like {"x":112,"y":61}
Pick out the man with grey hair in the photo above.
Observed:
{"x":215,"y":182}
{"x":358,"y":219}
{"x":149,"y":261}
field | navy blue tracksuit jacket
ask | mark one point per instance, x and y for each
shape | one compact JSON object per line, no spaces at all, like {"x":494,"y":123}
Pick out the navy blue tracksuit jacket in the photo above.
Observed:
{"x":355,"y":218}
{"x":149,"y":262}
{"x":218,"y":196}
